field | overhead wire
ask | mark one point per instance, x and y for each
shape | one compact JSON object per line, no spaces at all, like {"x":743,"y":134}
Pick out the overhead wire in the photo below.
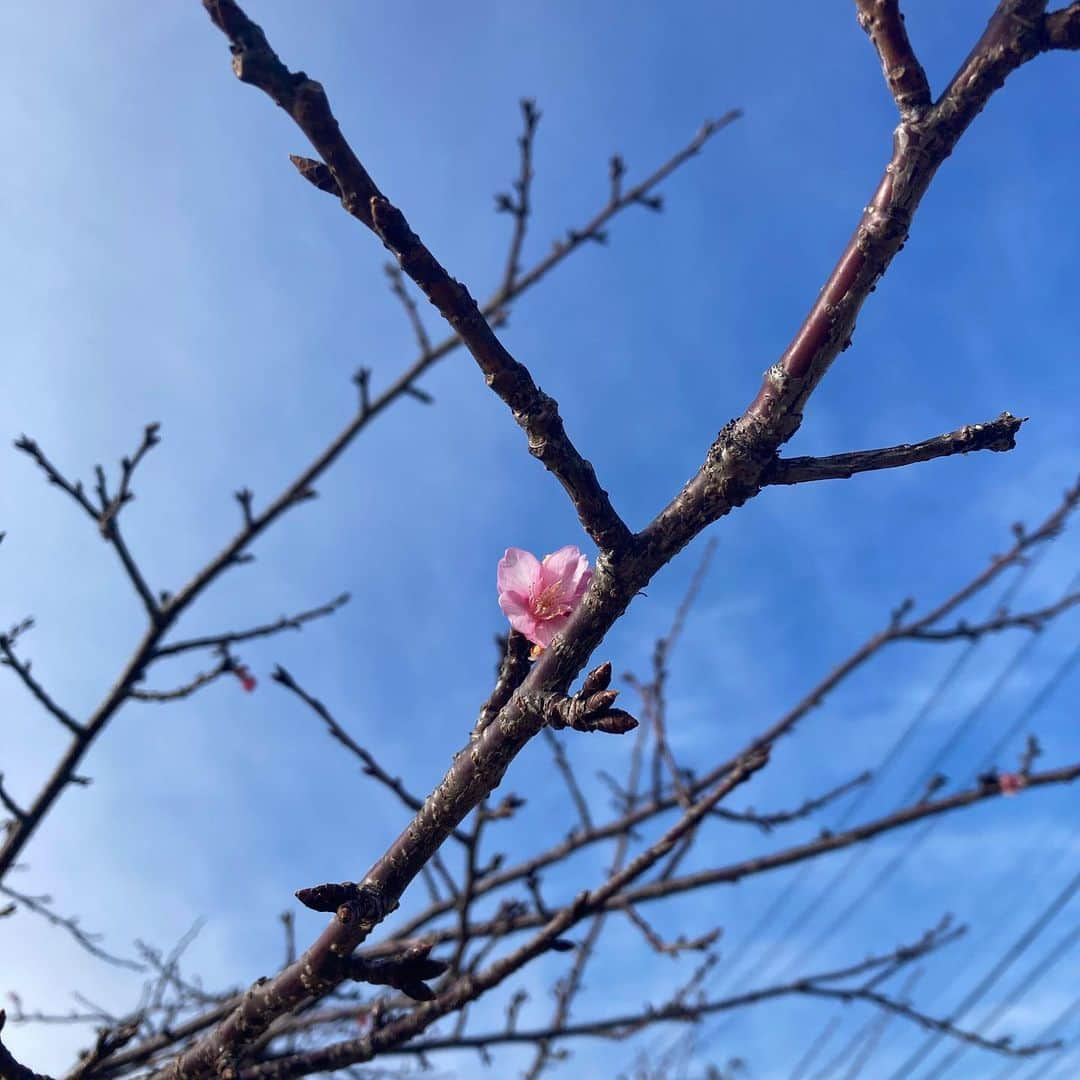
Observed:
{"x":975,"y":995}
{"x":856,"y":804}
{"x":1058,"y":952}
{"x":1051,"y":1031}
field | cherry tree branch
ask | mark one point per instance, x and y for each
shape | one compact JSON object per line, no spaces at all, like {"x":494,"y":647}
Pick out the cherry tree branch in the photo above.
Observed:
{"x":471,"y":986}
{"x":371,"y":767}
{"x":254,"y":524}
{"x":621,"y":1026}
{"x":731,"y":473}
{"x":518,"y":204}
{"x":10,"y":1069}
{"x":996,"y":435}
{"x":39,"y":905}
{"x":106,"y":513}
{"x":884,"y":24}
{"x":1063,"y":28}
{"x":22,"y":669}
{"x":661,"y":888}
{"x":234,"y":637}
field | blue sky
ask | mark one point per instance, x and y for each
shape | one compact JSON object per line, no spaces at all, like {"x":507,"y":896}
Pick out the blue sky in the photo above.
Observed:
{"x":163,"y":262}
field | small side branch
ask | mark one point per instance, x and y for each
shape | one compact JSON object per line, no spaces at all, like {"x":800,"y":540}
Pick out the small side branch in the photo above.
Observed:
{"x":513,"y":667}
{"x":996,"y":435}
{"x":412,"y":312}
{"x":767,"y":822}
{"x":562,"y":763}
{"x":233,"y":637}
{"x":9,"y":804}
{"x":106,"y":513}
{"x":204,"y":678}
{"x":1062,"y":28}
{"x":518,"y":205}
{"x":10,"y":1069}
{"x":670,"y":948}
{"x":305,"y":100}
{"x":1003,"y":620}
{"x":39,"y":905}
{"x":884,"y":25}
{"x":22,"y":669}
{"x":371,"y":767}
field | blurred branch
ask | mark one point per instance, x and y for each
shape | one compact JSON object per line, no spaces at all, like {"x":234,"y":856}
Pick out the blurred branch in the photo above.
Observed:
{"x":10,"y":1069}
{"x":39,"y":905}
{"x":412,"y":313}
{"x":203,"y":678}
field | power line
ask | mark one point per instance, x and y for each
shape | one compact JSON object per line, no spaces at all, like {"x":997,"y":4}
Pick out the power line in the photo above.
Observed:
{"x":853,"y":808}
{"x":959,"y":731}
{"x":888,"y":759}
{"x":1045,"y":965}
{"x":867,"y":1052}
{"x":1007,"y":960}
{"x":1059,"y":1023}
{"x":1033,"y":707}
{"x":815,"y":1048}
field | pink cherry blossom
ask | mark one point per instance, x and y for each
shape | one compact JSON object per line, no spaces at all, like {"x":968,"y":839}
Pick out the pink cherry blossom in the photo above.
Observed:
{"x":539,"y":597}
{"x":1009,"y":783}
{"x":247,"y":680}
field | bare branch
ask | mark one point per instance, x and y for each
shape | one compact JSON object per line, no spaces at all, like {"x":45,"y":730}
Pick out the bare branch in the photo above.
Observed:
{"x":203,"y":678}
{"x":110,"y":507}
{"x":670,"y":948}
{"x":233,"y":637}
{"x":997,"y":435}
{"x":513,"y":667}
{"x":10,"y":1069}
{"x":9,"y":804}
{"x":884,"y":24}
{"x":412,"y":312}
{"x":105,"y":515}
{"x":768,"y":822}
{"x":1062,"y":28}
{"x":468,"y":988}
{"x":1027,"y":620}
{"x":562,"y":763}
{"x":39,"y":905}
{"x":255,"y":62}
{"x":536,"y":413}
{"x":22,"y":669}
{"x":660,"y":888}
{"x":370,"y":766}
{"x":518,"y":204}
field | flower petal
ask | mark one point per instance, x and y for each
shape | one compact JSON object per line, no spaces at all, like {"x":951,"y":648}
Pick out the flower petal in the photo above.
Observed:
{"x":524,"y":623}
{"x":546,"y":629}
{"x":564,"y":564}
{"x":518,"y":572}
{"x":582,"y":582}
{"x":513,"y":603}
